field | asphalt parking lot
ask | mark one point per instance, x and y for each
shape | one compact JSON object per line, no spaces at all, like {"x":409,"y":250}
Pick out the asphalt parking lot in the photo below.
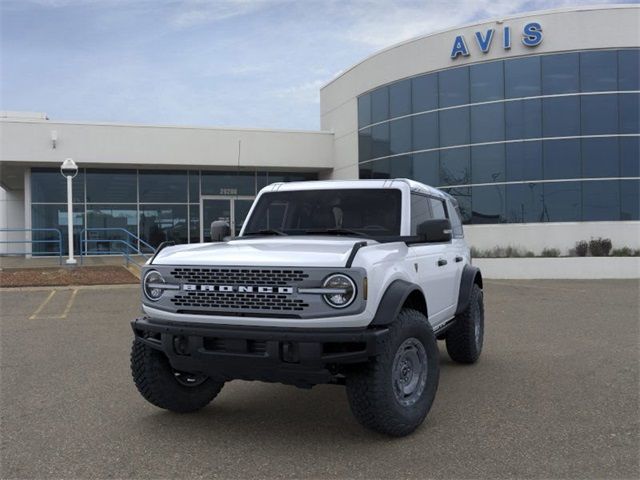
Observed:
{"x":555,"y":395}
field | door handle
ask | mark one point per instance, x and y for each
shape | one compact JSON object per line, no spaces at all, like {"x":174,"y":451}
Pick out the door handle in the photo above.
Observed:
{"x":442,"y":262}
{"x":459,"y":259}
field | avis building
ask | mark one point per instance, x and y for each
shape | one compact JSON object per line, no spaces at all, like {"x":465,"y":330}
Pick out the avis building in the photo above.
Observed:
{"x":531,"y":122}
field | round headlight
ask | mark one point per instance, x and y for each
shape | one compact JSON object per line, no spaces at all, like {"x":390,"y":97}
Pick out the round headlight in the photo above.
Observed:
{"x":344,"y":290}
{"x":150,"y":285}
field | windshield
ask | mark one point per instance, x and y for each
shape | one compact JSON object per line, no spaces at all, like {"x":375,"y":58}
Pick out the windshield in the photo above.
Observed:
{"x":367,"y":213}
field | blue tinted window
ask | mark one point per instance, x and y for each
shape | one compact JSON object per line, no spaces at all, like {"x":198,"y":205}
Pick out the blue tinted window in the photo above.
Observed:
{"x":400,"y":135}
{"x":426,"y":168}
{"x":630,"y":200}
{"x":487,"y":123}
{"x":162,"y":223}
{"x":365,"y":145}
{"x":523,"y":119}
{"x":599,"y":114}
{"x":400,"y":99}
{"x":112,"y":186}
{"x":454,"y":126}
{"x":424,"y":92}
{"x":524,"y":203}
{"x":463,"y":196}
{"x":629,"y":112}
{"x":562,"y":202}
{"x":425,"y":131}
{"x":488,"y":205}
{"x":630,"y":156}
{"x":380,"y":140}
{"x":194,"y":186}
{"x":49,"y":186}
{"x":163,"y":186}
{"x":561,"y":159}
{"x":561,"y":116}
{"x":455,"y":168}
{"x":454,"y":87}
{"x":380,"y":105}
{"x":628,"y":70}
{"x":600,"y":157}
{"x":380,"y":168}
{"x":53,"y":216}
{"x":230,"y":183}
{"x":364,"y":110}
{"x":524,"y":161}
{"x":560,"y":73}
{"x":487,"y":81}
{"x":401,"y":167}
{"x":487,"y":164}
{"x":601,"y":200}
{"x":194,"y":223}
{"x":598,"y":71}
{"x":522,"y":77}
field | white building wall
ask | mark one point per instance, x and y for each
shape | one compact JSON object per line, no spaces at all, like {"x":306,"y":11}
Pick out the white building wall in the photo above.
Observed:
{"x":12,"y":216}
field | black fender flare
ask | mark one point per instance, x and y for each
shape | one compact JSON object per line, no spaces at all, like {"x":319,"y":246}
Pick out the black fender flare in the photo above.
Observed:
{"x":392,"y":301}
{"x":470,"y":276}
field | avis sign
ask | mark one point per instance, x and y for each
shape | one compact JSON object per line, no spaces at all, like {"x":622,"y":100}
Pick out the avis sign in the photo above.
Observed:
{"x":531,"y":37}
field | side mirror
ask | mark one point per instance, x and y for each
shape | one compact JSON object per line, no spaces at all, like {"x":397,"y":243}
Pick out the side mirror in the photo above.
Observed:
{"x":435,"y":231}
{"x":219,"y":230}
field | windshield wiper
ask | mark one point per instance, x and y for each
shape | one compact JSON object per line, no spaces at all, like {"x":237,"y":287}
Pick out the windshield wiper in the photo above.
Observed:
{"x":336,"y":231}
{"x":266,"y":231}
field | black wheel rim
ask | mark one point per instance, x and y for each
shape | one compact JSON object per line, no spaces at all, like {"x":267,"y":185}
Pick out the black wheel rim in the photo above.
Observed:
{"x":409,"y":372}
{"x":189,"y":379}
{"x":477,"y":326}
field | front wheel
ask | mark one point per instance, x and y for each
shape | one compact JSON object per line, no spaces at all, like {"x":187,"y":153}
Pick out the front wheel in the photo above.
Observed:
{"x":166,"y":387}
{"x":394,"y":392}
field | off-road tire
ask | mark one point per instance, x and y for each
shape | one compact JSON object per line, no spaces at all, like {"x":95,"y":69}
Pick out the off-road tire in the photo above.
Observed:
{"x":462,"y":344}
{"x":370,"y":387}
{"x":156,"y":382}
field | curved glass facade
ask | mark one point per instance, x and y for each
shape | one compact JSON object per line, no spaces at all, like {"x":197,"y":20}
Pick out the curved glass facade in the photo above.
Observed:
{"x":541,"y":138}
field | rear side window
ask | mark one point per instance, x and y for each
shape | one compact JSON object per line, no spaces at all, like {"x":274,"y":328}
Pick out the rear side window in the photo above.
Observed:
{"x":456,"y":223}
{"x":420,"y":211}
{"x":437,"y":207}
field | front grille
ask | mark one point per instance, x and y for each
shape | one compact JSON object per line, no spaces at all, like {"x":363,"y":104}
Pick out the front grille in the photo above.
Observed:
{"x":229,"y":276}
{"x":239,"y":301}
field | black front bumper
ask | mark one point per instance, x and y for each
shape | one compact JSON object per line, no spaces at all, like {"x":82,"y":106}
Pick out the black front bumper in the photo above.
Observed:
{"x":301,"y":357}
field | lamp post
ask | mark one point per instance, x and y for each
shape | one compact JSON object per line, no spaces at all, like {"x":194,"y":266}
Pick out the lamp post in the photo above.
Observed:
{"x":69,"y":169}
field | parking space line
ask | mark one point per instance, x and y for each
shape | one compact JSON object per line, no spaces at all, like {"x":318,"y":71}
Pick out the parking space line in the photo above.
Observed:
{"x":69,"y":304}
{"x":42,"y":305}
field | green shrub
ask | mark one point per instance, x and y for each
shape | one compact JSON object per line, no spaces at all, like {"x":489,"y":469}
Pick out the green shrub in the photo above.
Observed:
{"x":582,"y":248}
{"x":600,"y":247}
{"x":550,"y":252}
{"x":621,"y":252}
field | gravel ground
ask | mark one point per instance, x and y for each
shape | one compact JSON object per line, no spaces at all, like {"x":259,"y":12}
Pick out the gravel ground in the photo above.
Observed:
{"x":29,"y":277}
{"x":555,"y":395}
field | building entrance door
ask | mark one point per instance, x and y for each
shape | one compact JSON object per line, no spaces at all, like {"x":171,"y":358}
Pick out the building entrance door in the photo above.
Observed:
{"x":231,"y":210}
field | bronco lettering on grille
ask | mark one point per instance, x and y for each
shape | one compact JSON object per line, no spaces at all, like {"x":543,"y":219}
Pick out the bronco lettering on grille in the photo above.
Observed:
{"x":237,"y":289}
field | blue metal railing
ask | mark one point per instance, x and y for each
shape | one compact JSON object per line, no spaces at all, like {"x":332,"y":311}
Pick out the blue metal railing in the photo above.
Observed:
{"x":131,"y":243}
{"x":31,"y":241}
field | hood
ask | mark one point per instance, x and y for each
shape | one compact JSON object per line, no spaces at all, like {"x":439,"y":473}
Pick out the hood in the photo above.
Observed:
{"x":310,"y":251}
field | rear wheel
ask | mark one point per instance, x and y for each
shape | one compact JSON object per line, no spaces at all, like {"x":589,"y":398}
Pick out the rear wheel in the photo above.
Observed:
{"x":394,"y":392}
{"x":165,"y":387}
{"x":465,"y":337}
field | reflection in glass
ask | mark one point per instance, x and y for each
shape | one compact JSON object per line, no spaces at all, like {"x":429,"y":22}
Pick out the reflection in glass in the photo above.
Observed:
{"x":524,"y":203}
{"x":454,"y":127}
{"x":53,"y":216}
{"x":113,"y":221}
{"x":560,"y":73}
{"x":194,"y":186}
{"x":163,"y":186}
{"x":523,"y":119}
{"x":561,"y":116}
{"x":487,"y":123}
{"x":463,"y":196}
{"x":111,"y":186}
{"x":400,"y":99}
{"x":162,"y":223}
{"x":194,"y":223}
{"x":629,"y":112}
{"x":228,"y":183}
{"x":425,"y":131}
{"x":365,"y":147}
{"x":400,"y":135}
{"x":424,"y":93}
{"x":561,"y":159}
{"x":599,"y":114}
{"x":523,"y":161}
{"x":487,"y":81}
{"x":454,"y":87}
{"x":600,"y":200}
{"x":455,"y":168}
{"x":562,"y":202}
{"x":48,"y":185}
{"x":380,"y":140}
{"x":487,"y":164}
{"x":600,"y":157}
{"x":488,"y":205}
{"x":401,"y":167}
{"x":522,"y":77}
{"x":364,"y":110}
{"x":629,"y":69}
{"x":426,"y":168}
{"x":630,"y":200}
{"x":629,"y":156}
{"x":380,"y":105}
{"x":599,"y":71}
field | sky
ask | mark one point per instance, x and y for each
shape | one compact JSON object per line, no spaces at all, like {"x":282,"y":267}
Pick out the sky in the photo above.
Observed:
{"x":242,"y":63}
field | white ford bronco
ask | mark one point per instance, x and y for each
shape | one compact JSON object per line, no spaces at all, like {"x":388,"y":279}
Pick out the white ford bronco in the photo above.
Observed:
{"x":343,"y":282}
